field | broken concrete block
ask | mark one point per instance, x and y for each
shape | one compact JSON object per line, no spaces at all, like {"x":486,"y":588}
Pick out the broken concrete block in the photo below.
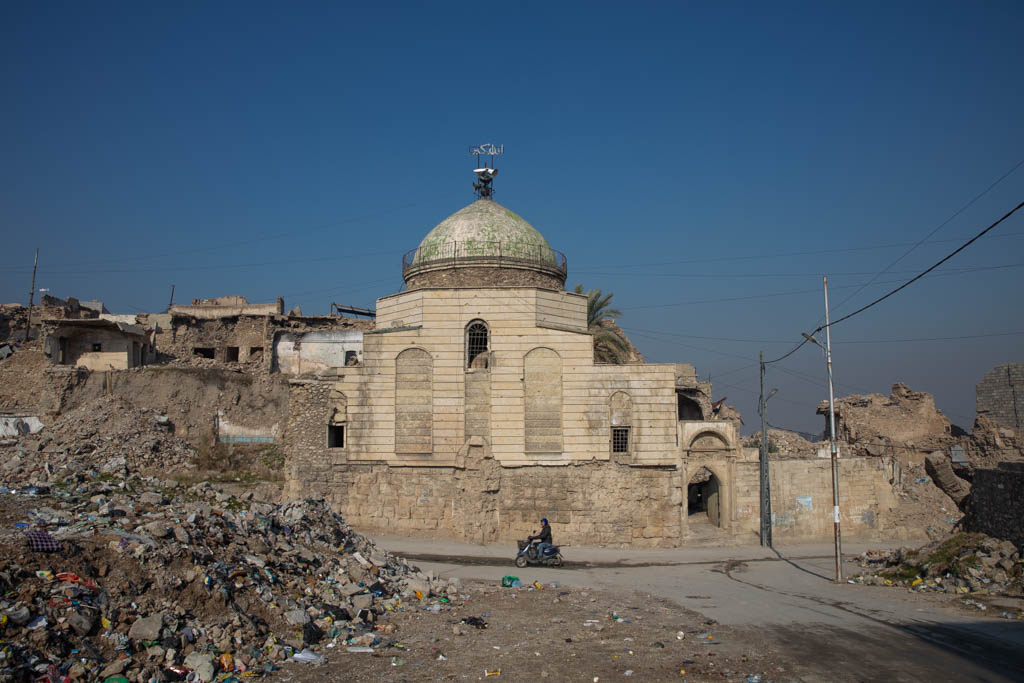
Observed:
{"x":147,"y":628}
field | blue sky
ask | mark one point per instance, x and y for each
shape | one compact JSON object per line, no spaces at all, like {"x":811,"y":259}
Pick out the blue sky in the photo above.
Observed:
{"x":706,"y":163}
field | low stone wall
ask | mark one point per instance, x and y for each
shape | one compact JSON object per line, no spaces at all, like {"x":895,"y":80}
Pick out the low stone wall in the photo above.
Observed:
{"x":995,"y":506}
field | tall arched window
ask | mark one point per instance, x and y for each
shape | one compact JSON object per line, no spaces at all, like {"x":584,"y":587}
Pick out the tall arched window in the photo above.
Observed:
{"x":414,"y":402}
{"x":542,"y":385}
{"x":477,"y":344}
{"x":621,"y":419}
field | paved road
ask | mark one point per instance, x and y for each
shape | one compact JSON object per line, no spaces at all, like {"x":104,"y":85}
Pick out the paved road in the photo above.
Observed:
{"x":837,"y":632}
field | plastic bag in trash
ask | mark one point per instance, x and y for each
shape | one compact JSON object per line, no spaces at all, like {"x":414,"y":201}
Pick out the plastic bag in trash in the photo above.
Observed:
{"x":308,"y":656}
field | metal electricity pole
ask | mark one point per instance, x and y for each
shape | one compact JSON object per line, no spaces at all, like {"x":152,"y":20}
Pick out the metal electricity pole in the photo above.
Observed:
{"x":832,"y":441}
{"x":827,"y":348}
{"x":766,"y":491}
{"x":31,"y":295}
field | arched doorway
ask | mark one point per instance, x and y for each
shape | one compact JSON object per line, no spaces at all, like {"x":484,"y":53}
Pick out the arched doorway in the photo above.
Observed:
{"x":703,"y":497}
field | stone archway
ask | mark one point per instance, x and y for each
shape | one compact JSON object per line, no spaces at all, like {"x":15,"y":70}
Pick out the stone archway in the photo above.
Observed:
{"x":704,"y":497}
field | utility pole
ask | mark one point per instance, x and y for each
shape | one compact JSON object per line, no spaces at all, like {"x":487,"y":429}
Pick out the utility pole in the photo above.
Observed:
{"x":766,"y":495}
{"x":827,"y":348}
{"x":832,"y":441}
{"x":172,"y":300}
{"x":31,"y":295}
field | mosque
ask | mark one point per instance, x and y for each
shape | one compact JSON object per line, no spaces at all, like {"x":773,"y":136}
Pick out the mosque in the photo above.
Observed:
{"x":477,"y":408}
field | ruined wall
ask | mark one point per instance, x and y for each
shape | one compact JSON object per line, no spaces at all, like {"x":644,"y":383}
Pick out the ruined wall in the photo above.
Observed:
{"x":96,"y":349}
{"x":191,"y":397}
{"x":1000,"y":396}
{"x":592,"y":503}
{"x":297,"y":353}
{"x":995,"y":506}
{"x":904,"y":424}
{"x":230,"y":339}
{"x":228,"y":306}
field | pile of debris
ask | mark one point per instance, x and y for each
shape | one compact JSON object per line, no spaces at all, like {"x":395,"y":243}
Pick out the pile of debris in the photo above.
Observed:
{"x":109,"y":572}
{"x":108,"y":434}
{"x":962,"y":563}
{"x":143,"y":578}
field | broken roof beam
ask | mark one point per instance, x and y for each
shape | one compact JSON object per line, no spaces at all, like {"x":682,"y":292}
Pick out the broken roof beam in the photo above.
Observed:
{"x":353,"y":310}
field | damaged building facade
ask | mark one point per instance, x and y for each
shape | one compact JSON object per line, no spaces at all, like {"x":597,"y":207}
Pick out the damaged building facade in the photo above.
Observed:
{"x":476,"y":408}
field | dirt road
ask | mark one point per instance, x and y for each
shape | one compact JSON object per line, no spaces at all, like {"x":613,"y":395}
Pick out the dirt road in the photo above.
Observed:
{"x":785,"y":604}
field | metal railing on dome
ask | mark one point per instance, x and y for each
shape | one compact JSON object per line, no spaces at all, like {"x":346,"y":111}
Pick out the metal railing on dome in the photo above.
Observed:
{"x":519,"y":253}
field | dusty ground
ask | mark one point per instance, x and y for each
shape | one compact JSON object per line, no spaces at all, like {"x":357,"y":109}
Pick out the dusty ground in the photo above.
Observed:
{"x":558,"y":633}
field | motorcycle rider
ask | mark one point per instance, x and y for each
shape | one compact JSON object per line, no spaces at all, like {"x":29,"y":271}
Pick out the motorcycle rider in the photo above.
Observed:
{"x":543,"y":538}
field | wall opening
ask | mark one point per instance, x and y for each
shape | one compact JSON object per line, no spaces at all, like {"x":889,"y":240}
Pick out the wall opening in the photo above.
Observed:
{"x":97,"y":347}
{"x":703,"y":496}
{"x":351,"y":358}
{"x":231,"y":354}
{"x":620,"y":439}
{"x":476,"y":344}
{"x":688,"y":409}
{"x":255,"y":353}
{"x":335,"y":436}
{"x":202,"y":352}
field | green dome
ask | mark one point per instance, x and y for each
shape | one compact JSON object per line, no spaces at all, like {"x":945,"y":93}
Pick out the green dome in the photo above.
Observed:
{"x":484,"y":228}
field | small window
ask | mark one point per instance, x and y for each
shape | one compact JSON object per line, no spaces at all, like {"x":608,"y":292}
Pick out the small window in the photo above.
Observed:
{"x":335,"y":436}
{"x":97,"y":347}
{"x":202,"y":352}
{"x":255,"y":353}
{"x":231,"y":354}
{"x":620,"y":439}
{"x":351,"y":358}
{"x":476,"y":344}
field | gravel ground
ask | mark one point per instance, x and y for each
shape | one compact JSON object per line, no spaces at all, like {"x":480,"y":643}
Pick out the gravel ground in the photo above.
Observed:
{"x":561,"y":634}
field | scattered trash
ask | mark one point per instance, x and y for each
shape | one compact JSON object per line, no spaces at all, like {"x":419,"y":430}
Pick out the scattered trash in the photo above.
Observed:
{"x":492,"y":672}
{"x":507,"y":581}
{"x":476,"y":622}
{"x":307,"y":656}
{"x":922,"y":480}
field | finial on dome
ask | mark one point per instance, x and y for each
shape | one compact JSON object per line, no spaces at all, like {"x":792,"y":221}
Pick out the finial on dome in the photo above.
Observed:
{"x":485,"y":170}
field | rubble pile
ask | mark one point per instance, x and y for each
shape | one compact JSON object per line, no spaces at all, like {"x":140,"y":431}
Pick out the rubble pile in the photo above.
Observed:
{"x":109,"y":435}
{"x":154,"y":581}
{"x":962,"y":563}
{"x":785,"y":444}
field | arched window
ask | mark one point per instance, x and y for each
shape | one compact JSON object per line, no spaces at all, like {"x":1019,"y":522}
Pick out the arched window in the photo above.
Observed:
{"x":477,"y":344}
{"x":621,"y":419}
{"x":542,"y":385}
{"x":414,"y":402}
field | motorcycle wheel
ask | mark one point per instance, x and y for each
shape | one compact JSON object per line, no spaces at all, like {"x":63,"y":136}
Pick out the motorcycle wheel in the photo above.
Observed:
{"x":558,"y":561}
{"x":520,"y":561}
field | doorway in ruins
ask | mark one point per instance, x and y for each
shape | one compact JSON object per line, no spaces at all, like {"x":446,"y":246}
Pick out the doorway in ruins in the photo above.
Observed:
{"x":702,"y":497}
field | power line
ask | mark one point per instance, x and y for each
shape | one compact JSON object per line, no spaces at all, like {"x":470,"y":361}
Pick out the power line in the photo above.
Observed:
{"x":905,"y":284}
{"x":735,"y":275}
{"x":937,"y":228}
{"x":751,"y":257}
{"x":852,"y":341}
{"x":925,"y":272}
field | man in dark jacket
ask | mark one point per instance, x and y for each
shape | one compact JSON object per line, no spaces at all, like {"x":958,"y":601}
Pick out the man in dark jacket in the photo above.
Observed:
{"x":543,"y":538}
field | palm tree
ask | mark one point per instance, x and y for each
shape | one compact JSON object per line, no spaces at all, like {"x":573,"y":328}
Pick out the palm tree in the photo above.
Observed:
{"x":610,"y":345}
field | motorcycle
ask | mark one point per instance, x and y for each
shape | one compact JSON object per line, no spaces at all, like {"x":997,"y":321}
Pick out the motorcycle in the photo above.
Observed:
{"x":551,"y":557}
